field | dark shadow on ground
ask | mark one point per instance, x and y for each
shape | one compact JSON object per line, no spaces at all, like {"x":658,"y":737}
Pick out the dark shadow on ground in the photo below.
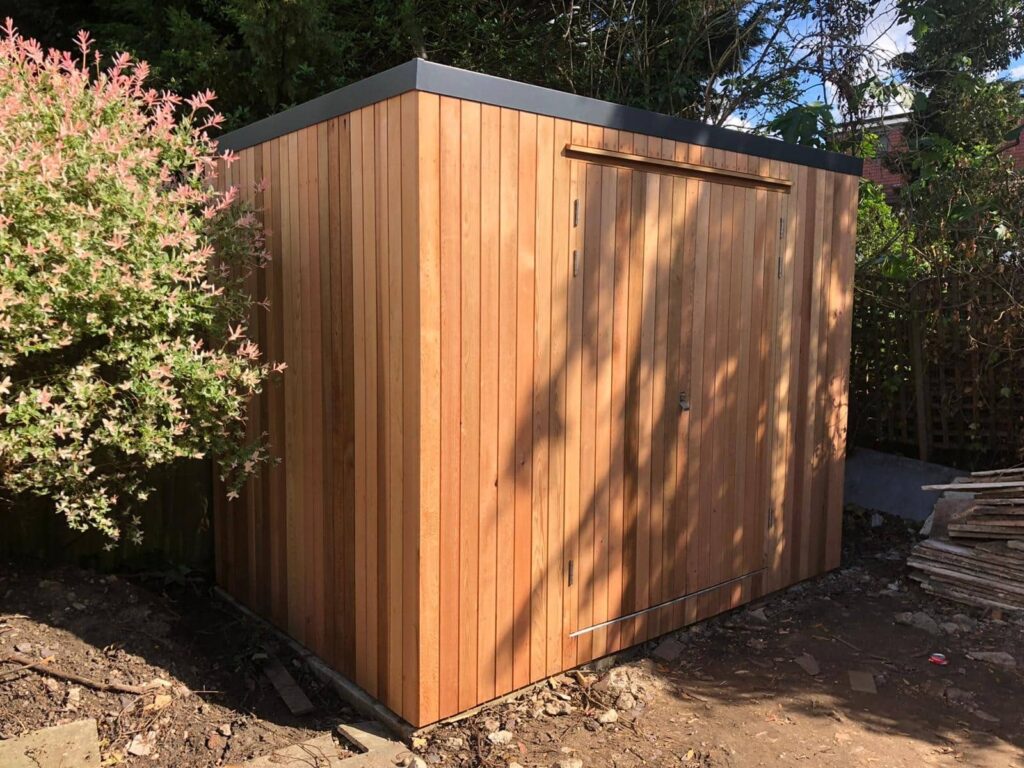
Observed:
{"x":137,"y":629}
{"x":968,"y":711}
{"x":727,"y":693}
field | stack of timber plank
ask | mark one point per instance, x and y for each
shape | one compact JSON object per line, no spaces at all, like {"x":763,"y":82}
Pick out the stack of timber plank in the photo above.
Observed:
{"x":974,"y":553}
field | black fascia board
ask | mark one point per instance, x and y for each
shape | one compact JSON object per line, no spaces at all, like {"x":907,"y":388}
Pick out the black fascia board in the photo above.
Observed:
{"x":420,"y":75}
{"x":384,"y":85}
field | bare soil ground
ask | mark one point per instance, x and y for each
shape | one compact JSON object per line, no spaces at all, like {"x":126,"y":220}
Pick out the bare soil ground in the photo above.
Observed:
{"x":729,"y":695}
{"x":210,"y":704}
{"x":734,"y":696}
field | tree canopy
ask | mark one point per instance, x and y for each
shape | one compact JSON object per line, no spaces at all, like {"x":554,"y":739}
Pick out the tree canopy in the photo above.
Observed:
{"x":712,"y":60}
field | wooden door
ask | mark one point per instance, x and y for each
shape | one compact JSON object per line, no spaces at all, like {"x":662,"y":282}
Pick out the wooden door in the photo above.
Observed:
{"x":671,"y":317}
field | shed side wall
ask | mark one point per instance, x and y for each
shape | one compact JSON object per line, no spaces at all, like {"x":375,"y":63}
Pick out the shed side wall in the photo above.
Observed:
{"x":533,"y":465}
{"x":325,"y":542}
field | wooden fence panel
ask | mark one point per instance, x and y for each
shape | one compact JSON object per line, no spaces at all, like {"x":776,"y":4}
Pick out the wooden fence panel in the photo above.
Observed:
{"x":936,"y":367}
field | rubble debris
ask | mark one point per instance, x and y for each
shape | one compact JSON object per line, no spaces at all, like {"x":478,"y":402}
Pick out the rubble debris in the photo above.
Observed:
{"x":61,"y":746}
{"x":557,"y":707}
{"x":321,"y":752}
{"x":625,"y":701}
{"x":863,"y":682}
{"x":973,"y":553}
{"x":758,"y":615}
{"x":997,"y":658}
{"x":808,"y":664}
{"x":289,"y":691}
{"x":203,"y":646}
{"x":919,"y":620}
{"x":668,"y":650}
{"x":141,"y":744}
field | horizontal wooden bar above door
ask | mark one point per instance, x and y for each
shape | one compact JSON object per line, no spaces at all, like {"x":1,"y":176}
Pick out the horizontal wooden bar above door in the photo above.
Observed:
{"x":677,"y":168}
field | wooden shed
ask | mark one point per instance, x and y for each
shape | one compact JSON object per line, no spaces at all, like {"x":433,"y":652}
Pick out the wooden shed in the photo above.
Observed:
{"x":562,"y":376}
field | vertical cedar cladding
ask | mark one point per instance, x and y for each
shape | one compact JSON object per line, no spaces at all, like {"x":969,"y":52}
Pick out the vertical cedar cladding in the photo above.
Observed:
{"x":325,"y":543}
{"x":508,"y":365}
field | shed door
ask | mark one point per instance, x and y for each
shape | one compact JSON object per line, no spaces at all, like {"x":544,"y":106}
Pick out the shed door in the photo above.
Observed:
{"x":671,"y":322}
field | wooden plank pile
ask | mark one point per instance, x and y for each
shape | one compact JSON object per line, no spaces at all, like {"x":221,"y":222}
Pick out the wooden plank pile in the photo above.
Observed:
{"x":975,"y":550}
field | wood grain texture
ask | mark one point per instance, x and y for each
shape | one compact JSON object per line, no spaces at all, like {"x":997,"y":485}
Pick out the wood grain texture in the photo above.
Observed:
{"x":485,"y":475}
{"x":323,"y":542}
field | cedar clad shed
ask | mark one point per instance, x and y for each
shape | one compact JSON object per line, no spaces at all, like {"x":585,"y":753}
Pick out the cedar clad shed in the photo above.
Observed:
{"x":563,"y":376}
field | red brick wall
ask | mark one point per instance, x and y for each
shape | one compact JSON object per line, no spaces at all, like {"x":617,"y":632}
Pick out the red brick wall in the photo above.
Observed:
{"x":875,"y":169}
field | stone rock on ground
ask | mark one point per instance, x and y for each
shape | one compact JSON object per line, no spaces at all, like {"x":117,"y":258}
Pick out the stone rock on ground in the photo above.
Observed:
{"x":569,"y":762}
{"x":499,"y":737}
{"x":607,"y":717}
{"x":758,"y":616}
{"x":998,"y":658}
{"x":558,"y":707}
{"x":668,"y":650}
{"x":321,"y":751}
{"x":964,"y":621}
{"x":808,"y":664}
{"x":626,"y":701}
{"x":62,"y":746}
{"x":919,"y":620}
{"x":615,"y":682}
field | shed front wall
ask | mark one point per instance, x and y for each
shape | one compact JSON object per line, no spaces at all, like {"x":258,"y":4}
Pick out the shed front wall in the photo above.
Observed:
{"x":557,"y":434}
{"x":462,"y":416}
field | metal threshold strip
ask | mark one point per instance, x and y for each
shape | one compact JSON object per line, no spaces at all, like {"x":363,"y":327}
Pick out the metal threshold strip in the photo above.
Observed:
{"x":673,"y":601}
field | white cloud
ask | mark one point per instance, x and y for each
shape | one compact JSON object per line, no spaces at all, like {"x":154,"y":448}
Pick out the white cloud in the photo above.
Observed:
{"x":740,"y":123}
{"x":886,"y":36}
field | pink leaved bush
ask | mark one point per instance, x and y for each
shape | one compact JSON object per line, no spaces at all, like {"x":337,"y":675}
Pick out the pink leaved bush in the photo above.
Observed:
{"x":123,"y":302}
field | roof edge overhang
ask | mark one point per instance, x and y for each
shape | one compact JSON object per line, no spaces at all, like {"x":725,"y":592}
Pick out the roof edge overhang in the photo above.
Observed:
{"x":426,"y":76}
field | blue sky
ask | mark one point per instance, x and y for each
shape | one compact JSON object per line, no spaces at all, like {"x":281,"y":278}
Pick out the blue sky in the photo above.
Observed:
{"x":886,"y":37}
{"x":889,"y":38}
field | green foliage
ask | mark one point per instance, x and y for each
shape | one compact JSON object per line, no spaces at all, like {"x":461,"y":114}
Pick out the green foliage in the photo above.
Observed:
{"x":963,"y":198}
{"x":960,"y":36}
{"x":811,"y":125}
{"x":705,"y":59}
{"x":122,"y":349}
{"x":957,"y":222}
{"x":882,"y":238}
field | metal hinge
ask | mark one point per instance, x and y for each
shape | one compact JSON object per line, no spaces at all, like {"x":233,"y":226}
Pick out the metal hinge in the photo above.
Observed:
{"x":782,"y":234}
{"x":576,"y":212}
{"x":575,"y":262}
{"x":571,"y":574}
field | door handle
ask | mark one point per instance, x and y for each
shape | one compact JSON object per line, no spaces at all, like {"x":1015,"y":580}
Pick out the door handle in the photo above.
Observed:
{"x":684,"y":402}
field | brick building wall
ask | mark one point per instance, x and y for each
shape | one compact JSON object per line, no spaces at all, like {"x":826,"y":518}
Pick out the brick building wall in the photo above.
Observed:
{"x":876,"y":170}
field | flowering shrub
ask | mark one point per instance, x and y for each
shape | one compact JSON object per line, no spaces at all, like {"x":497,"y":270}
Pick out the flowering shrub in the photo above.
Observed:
{"x":123,"y":308}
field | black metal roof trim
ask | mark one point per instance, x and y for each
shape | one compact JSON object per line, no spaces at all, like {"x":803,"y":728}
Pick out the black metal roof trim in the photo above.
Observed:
{"x":383,"y":85}
{"x":450,"y":81}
